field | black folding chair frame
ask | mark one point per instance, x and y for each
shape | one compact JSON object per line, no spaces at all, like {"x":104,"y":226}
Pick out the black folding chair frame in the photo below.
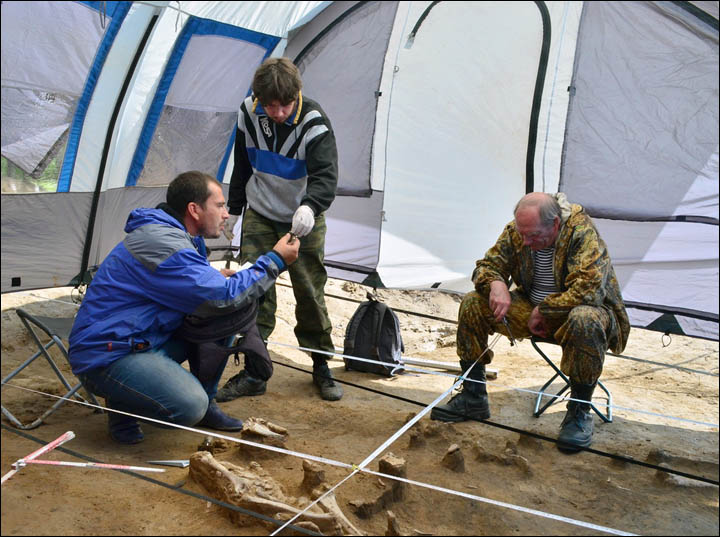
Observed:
{"x":605,"y":416}
{"x":57,"y":329}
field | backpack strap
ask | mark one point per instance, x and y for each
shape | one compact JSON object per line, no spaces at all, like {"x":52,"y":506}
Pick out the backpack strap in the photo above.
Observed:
{"x":381,"y":309}
{"x":351,"y":331}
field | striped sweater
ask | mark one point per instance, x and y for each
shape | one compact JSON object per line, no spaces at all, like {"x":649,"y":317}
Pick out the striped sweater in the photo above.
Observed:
{"x":279,"y":167}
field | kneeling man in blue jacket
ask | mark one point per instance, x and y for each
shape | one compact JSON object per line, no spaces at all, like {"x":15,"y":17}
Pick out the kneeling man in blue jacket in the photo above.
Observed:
{"x":127,"y":341}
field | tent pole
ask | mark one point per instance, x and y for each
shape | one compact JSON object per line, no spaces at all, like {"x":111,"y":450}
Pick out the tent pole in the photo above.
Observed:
{"x":106,"y":149}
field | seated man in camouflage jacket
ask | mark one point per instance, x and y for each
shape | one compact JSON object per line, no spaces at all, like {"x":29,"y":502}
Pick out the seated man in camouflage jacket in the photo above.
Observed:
{"x":566,"y":291}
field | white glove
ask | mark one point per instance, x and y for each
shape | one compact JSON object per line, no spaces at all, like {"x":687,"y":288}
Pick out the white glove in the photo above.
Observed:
{"x":303,"y":221}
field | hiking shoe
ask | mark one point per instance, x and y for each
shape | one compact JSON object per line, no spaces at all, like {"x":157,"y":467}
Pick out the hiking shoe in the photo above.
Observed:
{"x":124,"y":429}
{"x":576,"y":428}
{"x":240,"y":385}
{"x":322,"y":378}
{"x":218,"y":420}
{"x":462,"y":407}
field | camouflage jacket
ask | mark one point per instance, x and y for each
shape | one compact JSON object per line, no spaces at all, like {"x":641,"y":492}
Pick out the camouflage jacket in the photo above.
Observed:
{"x":582,"y":268}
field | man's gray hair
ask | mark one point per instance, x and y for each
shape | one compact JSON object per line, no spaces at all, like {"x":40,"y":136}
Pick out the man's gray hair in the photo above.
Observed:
{"x":547,"y":203}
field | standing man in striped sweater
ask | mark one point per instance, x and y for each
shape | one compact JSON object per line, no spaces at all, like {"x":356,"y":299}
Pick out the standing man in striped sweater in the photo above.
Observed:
{"x":284,"y":179}
{"x":566,"y":291}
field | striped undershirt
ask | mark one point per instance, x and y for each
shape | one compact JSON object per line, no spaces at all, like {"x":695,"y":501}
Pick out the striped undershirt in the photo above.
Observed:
{"x":543,"y":281}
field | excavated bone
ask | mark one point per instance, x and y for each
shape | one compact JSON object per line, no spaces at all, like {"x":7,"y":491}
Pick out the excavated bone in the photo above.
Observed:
{"x":314,"y":483}
{"x":314,"y":475}
{"x":260,"y":430}
{"x":214,"y":445}
{"x":393,"y":529}
{"x":329,"y":505}
{"x":454,"y":459}
{"x":253,"y":489}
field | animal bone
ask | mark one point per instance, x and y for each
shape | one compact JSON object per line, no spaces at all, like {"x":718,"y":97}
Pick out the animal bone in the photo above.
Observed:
{"x":329,"y":505}
{"x":253,"y":489}
{"x":314,"y":475}
{"x":454,"y":459}
{"x":268,"y":432}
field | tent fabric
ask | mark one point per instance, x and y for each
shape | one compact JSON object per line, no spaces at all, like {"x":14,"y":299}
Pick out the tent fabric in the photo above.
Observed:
{"x":620,"y":143}
{"x":198,"y":100}
{"x":42,"y":93}
{"x":442,"y":107}
{"x":48,"y":258}
{"x":445,"y":114}
{"x":358,"y":37}
{"x":663,"y":241}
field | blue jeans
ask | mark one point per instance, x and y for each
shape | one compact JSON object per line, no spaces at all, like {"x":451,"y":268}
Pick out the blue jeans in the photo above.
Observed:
{"x":155,"y":385}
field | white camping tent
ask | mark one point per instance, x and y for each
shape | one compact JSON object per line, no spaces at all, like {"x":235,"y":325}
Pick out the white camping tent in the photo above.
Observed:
{"x":445,"y":114}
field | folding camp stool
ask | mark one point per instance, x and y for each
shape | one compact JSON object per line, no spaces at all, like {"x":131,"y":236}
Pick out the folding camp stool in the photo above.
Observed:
{"x":606,"y":417}
{"x":58,"y":329}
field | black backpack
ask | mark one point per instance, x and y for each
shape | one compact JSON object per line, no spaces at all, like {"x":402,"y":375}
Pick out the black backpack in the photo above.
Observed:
{"x":374,"y":333}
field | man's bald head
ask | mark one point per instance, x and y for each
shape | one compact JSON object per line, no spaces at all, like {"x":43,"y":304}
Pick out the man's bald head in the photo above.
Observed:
{"x":546,"y":204}
{"x":537,"y":220}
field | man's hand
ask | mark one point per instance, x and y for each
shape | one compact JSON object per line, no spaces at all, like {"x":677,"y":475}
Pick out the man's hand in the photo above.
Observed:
{"x":229,"y":226}
{"x":303,"y":221}
{"x":227,"y":272}
{"x":537,"y":324}
{"x":499,"y":299}
{"x":288,"y":249}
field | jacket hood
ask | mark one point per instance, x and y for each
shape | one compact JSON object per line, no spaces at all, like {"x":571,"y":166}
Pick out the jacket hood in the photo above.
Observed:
{"x":143,"y":217}
{"x":566,"y":208}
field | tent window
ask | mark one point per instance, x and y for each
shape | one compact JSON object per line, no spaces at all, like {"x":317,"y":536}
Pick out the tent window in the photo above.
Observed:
{"x":187,"y":140}
{"x":35,"y":126}
{"x":197,"y":118}
{"x":58,"y":42}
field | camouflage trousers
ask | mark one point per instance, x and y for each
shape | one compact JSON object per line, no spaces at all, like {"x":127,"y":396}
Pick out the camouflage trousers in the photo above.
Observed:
{"x":582,"y":334}
{"x":307,"y":274}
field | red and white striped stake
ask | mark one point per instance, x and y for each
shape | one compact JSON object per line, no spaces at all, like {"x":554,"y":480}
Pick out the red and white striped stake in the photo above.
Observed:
{"x":32,"y":459}
{"x":89,"y":465}
{"x":35,"y":454}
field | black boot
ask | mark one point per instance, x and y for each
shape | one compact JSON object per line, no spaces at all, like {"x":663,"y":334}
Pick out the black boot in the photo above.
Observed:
{"x":323,"y":379}
{"x":471,"y":403}
{"x":576,"y":428}
{"x":241,"y":385}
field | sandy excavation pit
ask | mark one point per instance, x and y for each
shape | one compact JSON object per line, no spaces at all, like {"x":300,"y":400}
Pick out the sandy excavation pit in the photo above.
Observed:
{"x":515,"y":482}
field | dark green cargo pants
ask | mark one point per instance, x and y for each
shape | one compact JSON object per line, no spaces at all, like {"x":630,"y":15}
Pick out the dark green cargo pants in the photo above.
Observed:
{"x":583,"y":334}
{"x":307,"y":274}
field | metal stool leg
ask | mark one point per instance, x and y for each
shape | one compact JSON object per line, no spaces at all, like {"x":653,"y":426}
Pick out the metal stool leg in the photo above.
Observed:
{"x":56,"y":329}
{"x":606,"y":417}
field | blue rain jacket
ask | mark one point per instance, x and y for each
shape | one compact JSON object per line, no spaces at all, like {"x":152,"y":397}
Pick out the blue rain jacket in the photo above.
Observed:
{"x":148,"y":283}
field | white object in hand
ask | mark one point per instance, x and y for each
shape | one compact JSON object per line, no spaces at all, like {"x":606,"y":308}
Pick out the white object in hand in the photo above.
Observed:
{"x":303,"y":221}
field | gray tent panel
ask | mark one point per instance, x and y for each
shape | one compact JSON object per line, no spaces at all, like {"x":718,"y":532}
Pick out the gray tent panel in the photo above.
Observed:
{"x":353,"y":236}
{"x":115,"y":205}
{"x":644,"y":113}
{"x":669,"y":267}
{"x":43,"y":239}
{"x":641,"y":154}
{"x":341,"y":65}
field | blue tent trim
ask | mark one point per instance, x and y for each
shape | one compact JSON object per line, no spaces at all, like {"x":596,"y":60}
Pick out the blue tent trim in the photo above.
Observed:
{"x":195,"y":26}
{"x":116,"y":11}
